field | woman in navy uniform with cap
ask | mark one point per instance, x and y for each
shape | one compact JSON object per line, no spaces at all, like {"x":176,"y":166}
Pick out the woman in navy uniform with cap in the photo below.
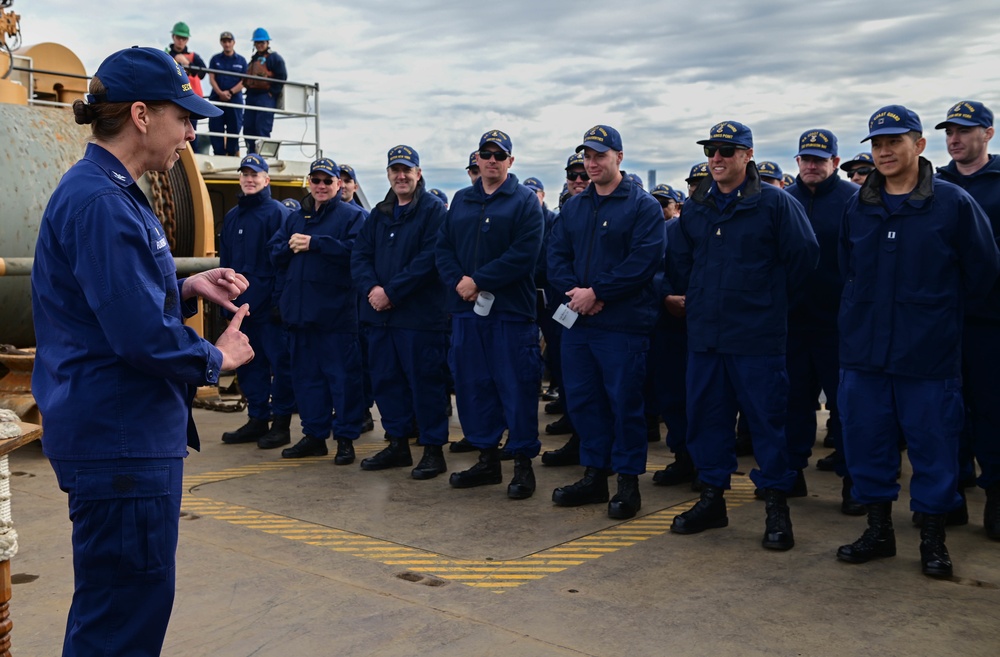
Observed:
{"x":116,"y":369}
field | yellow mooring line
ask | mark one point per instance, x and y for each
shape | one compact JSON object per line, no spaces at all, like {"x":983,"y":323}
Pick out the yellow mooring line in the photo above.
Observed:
{"x":492,"y":575}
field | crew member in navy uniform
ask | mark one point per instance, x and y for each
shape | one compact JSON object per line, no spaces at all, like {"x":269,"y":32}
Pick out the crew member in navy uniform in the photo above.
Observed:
{"x":227,"y":89}
{"x":968,"y":130}
{"x":812,"y":320}
{"x":742,"y":249}
{"x":486,"y":254}
{"x":403,"y":315}
{"x":604,"y":250}
{"x":116,"y":369}
{"x":264,"y":62}
{"x":913,"y":249}
{"x":858,"y":168}
{"x":319,"y":307}
{"x":266,"y":381}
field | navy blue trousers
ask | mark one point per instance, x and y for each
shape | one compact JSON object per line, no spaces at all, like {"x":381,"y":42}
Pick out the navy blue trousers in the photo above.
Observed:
{"x":231,"y":122}
{"x":874,"y":407}
{"x":718,"y":385}
{"x":258,"y":123}
{"x":125,"y":516}
{"x":981,"y":387}
{"x":326,"y":374}
{"x":813,"y":363}
{"x":266,"y":381}
{"x":409,"y":381}
{"x":497,"y":366}
{"x":668,"y":360}
{"x":604,"y":373}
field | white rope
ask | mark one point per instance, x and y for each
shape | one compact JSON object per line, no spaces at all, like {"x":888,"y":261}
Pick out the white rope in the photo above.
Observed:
{"x":8,"y":535}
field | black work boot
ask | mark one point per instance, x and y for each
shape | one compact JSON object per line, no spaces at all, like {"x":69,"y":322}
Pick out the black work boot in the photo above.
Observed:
{"x":799,"y":488}
{"x":279,"y":434}
{"x":592,"y":489}
{"x":559,"y":427}
{"x":626,"y":502}
{"x":708,"y":513}
{"x":308,"y":446}
{"x":830,"y":463}
{"x":462,"y":445}
{"x":848,"y":505}
{"x":431,"y":463}
{"x":955,"y":518}
{"x":878,"y":541}
{"x":248,"y":433}
{"x":778,"y":526}
{"x":653,"y":428}
{"x":345,"y":452}
{"x":396,"y":455}
{"x":568,"y":454}
{"x":486,"y":471}
{"x":934,"y":558}
{"x":681,"y":471}
{"x":368,"y":424}
{"x":991,"y":514}
{"x":522,"y":486}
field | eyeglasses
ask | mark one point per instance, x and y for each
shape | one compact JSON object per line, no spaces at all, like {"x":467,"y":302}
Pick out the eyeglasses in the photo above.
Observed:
{"x":499,"y":156}
{"x":316,"y":180}
{"x":860,"y":171}
{"x":577,"y":175}
{"x":724,"y":151}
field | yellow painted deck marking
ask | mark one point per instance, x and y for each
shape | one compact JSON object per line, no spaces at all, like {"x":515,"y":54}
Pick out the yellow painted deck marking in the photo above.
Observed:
{"x":497,"y":576}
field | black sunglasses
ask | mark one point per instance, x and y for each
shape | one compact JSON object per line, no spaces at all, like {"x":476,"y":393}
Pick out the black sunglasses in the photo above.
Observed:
{"x":860,"y":171}
{"x":316,"y":180}
{"x":577,"y":175}
{"x":724,"y":151}
{"x":499,"y":156}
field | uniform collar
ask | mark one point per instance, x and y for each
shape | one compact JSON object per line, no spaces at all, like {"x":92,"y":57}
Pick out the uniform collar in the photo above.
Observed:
{"x":253,"y":200}
{"x":103,"y":158}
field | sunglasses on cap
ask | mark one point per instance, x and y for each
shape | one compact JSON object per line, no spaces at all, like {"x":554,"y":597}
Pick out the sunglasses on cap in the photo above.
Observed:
{"x":724,"y":151}
{"x":499,"y":156}
{"x":317,"y":180}
{"x":577,"y":175}
{"x":860,"y":171}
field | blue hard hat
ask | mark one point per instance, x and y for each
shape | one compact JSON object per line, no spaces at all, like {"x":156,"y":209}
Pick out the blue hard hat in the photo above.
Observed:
{"x":260,"y":34}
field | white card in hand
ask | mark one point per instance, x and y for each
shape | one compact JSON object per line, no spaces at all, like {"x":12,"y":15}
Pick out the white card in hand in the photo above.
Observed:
{"x":565,"y":316}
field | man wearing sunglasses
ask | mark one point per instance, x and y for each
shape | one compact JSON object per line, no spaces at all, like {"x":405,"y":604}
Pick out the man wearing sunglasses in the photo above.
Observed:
{"x":319,"y":306}
{"x":968,"y":129}
{"x":605,"y":248}
{"x":812,"y":320}
{"x":698,"y":173}
{"x":489,"y":243}
{"x":858,"y":168}
{"x":915,"y":251}
{"x":741,"y":250}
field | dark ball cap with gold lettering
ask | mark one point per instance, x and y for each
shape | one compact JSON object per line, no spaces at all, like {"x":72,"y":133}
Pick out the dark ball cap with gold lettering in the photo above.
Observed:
{"x":969,"y":113}
{"x":146,"y":74}
{"x":601,"y":138}
{"x":893,"y":120}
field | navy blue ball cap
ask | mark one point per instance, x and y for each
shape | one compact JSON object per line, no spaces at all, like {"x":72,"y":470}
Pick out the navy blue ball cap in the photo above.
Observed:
{"x":789,"y":179}
{"x":601,"y":138}
{"x":349,"y":170}
{"x":820,"y":143}
{"x":473,"y":162}
{"x":574,"y":160}
{"x":534,"y":184}
{"x":498,"y":137}
{"x":292,"y":204}
{"x":698,"y":172}
{"x":768,"y":169}
{"x":729,"y":132}
{"x":968,"y":113}
{"x":326,"y":165}
{"x":864,"y":159}
{"x":255,"y":162}
{"x":148,"y":74}
{"x":636,"y":180}
{"x":403,"y":155}
{"x":893,"y":120}
{"x":440,"y":195}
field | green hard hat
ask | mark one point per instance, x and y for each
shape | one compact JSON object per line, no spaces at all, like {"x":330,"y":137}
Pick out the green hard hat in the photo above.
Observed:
{"x":181,"y":29}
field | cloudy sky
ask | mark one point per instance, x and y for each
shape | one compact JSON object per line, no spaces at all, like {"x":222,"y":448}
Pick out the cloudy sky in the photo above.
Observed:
{"x":436,"y":74}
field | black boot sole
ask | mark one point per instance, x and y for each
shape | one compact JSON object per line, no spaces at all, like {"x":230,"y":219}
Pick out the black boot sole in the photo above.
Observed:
{"x":455,"y":481}
{"x":718,"y":523}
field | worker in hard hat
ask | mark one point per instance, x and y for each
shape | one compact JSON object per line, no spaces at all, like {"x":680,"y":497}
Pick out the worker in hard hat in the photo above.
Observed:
{"x":264,"y":63}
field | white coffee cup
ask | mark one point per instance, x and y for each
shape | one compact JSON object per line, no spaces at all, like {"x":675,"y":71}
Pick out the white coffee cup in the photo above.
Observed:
{"x":483,"y":303}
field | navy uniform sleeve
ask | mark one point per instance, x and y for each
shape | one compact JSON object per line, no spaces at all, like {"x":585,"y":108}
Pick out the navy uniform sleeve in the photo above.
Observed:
{"x":448,"y":266}
{"x":560,"y":256}
{"x":645,"y":254}
{"x":978,"y":255}
{"x":798,"y":249}
{"x":680,"y":255}
{"x":363,"y":259}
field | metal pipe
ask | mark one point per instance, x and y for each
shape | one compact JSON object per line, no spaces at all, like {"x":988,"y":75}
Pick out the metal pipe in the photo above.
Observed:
{"x":22,"y":266}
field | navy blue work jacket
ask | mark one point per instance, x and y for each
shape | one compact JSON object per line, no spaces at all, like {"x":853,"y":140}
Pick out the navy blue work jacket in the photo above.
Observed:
{"x":496,"y":240}
{"x":222,"y":62}
{"x":818,"y":302}
{"x":984,"y":186}
{"x":243,"y":245}
{"x":116,"y":369}
{"x":318,"y":291}
{"x":613,"y":244}
{"x":907,"y":275}
{"x":398,"y":254}
{"x":740,"y":266}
